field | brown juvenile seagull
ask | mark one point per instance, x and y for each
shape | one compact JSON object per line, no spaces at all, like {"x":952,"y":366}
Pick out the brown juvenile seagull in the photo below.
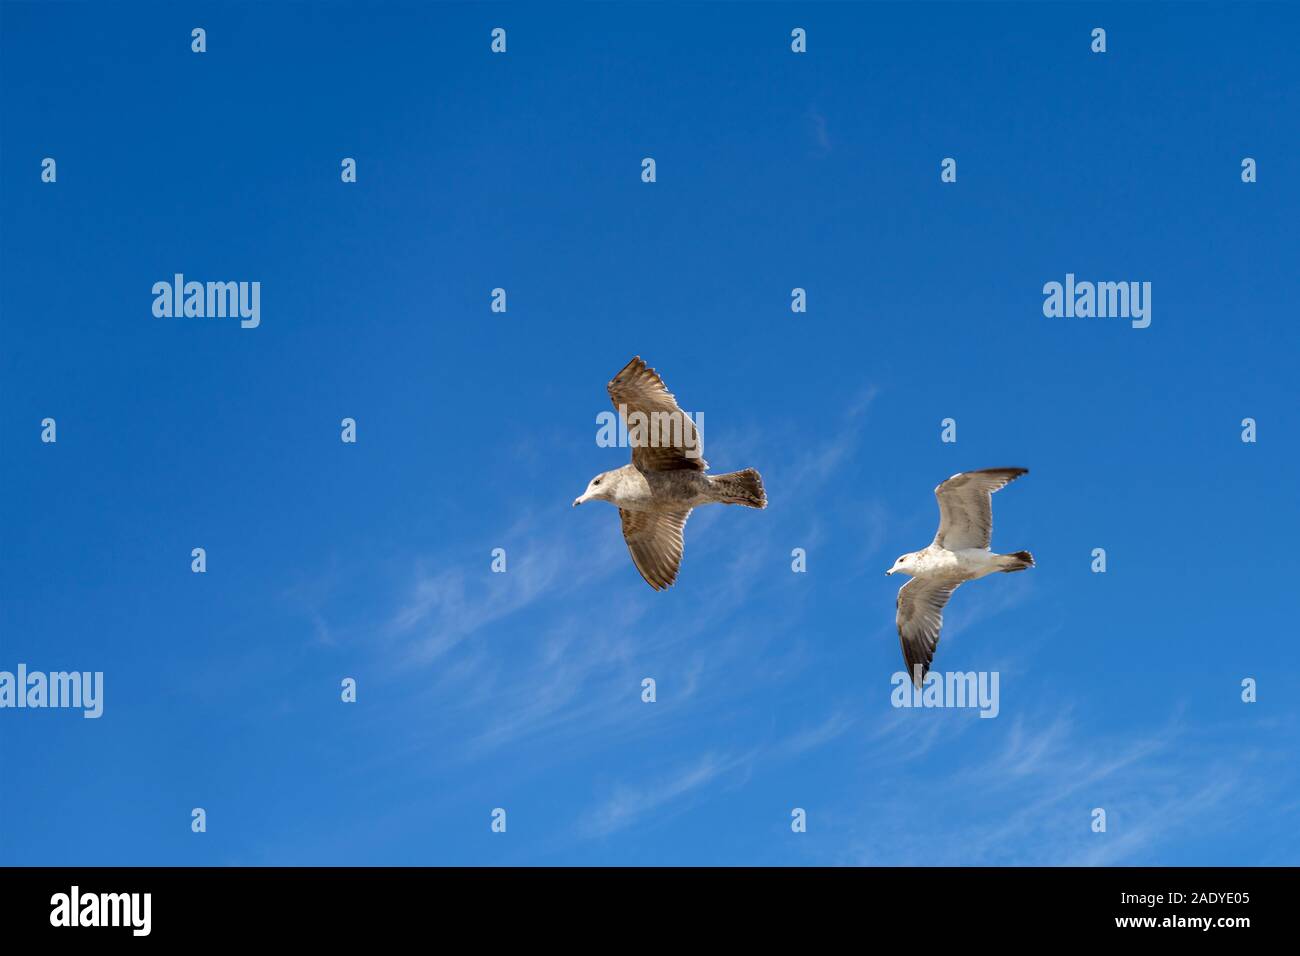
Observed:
{"x":959,"y":553}
{"x":655,"y":494}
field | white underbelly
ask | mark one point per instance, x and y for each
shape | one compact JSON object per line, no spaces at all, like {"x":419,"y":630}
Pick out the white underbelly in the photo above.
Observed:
{"x":976,"y":562}
{"x":961,"y":565}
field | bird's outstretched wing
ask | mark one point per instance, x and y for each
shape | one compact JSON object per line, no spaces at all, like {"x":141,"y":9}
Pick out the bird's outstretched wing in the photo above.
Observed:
{"x":920,"y":617}
{"x":966,"y":507}
{"x":667,"y":434}
{"x":655,"y":541}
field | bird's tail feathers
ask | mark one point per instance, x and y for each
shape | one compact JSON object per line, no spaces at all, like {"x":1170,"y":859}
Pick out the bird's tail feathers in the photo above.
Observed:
{"x":740,"y":488}
{"x":1017,"y":561}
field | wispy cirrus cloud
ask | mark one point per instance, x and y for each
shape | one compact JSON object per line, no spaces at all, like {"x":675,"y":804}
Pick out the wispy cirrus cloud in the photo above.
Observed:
{"x":1030,"y":800}
{"x":630,"y":804}
{"x":524,"y":664}
{"x":819,"y":130}
{"x":649,"y":802}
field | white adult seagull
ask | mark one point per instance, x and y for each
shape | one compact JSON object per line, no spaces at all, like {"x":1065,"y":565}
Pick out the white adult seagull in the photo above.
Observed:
{"x":959,"y":553}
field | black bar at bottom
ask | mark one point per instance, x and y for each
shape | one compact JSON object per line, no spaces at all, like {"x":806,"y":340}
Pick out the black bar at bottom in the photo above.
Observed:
{"x":922,"y":904}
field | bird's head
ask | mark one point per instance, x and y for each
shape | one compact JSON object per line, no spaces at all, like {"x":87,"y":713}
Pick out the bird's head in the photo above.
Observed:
{"x":904,"y":564}
{"x":599,"y":488}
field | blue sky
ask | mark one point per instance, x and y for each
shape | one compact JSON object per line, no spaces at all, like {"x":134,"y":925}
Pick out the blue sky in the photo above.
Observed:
{"x":476,"y":430}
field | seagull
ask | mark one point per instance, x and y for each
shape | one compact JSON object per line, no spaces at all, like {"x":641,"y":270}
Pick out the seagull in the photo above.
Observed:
{"x":655,"y":494}
{"x":959,"y":553}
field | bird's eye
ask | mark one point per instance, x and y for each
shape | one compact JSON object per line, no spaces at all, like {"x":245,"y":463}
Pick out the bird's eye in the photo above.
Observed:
{"x":596,"y":482}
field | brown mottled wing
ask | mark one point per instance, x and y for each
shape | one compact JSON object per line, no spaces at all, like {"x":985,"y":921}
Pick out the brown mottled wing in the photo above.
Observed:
{"x":655,"y":541}
{"x":966,"y":507}
{"x":920,"y":616}
{"x":640,"y":389}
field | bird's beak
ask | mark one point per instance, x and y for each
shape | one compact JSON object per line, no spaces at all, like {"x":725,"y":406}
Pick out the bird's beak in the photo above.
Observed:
{"x":579,"y":500}
{"x":889,"y":572}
